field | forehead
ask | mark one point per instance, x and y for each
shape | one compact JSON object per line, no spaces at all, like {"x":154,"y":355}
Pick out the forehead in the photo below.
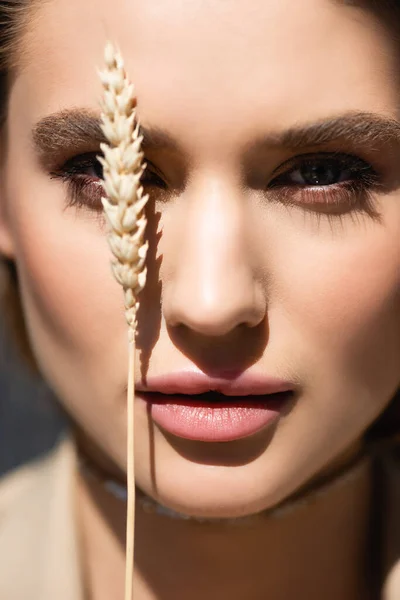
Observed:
{"x":209,"y":64}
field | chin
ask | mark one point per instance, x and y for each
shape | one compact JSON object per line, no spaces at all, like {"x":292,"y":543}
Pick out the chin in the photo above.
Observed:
{"x":210,"y":491}
{"x":210,"y":480}
{"x":217,"y":505}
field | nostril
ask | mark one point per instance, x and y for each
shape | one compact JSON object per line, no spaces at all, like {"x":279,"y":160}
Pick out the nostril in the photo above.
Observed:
{"x":213,"y":324}
{"x":217,"y":318}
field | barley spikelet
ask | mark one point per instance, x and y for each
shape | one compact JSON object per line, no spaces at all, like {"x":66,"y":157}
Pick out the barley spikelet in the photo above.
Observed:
{"x":123,"y":166}
{"x":124,"y":208}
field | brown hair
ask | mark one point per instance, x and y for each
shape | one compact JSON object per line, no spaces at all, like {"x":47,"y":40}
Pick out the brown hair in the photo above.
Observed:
{"x":15,"y":17}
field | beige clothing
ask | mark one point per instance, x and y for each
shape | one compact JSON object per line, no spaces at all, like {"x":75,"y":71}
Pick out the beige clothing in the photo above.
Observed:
{"x":38,"y":540}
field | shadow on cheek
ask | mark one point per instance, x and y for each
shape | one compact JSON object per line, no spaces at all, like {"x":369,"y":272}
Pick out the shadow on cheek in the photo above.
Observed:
{"x":149,"y":313}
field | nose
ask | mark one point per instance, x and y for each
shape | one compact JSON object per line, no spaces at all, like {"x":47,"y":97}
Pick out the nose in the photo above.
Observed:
{"x":211,"y":287}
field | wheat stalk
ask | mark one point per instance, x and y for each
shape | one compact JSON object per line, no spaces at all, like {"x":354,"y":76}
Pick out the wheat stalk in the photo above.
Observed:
{"x":124,"y":208}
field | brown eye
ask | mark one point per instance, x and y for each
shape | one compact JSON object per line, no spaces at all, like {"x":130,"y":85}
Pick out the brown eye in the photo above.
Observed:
{"x":323,"y":171}
{"x":330,"y":184}
{"x":320,"y":174}
{"x":95,"y":169}
{"x":83,"y":175}
{"x":83,"y":164}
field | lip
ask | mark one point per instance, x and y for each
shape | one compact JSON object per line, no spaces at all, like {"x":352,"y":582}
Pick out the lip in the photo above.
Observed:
{"x":195,"y":382}
{"x":181,"y":404}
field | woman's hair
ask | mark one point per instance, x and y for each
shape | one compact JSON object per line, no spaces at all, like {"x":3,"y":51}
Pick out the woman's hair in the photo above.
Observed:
{"x":15,"y":17}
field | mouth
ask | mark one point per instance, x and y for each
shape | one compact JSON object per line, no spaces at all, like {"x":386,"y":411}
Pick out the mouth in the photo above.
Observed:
{"x":212,"y":398}
{"x":213,"y":416}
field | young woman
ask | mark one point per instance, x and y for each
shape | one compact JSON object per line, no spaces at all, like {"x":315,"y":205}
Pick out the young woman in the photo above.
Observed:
{"x":272,"y":139}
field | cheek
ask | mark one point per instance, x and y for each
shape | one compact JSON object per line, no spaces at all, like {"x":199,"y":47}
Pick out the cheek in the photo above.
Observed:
{"x":342,"y":293}
{"x":70,"y":297}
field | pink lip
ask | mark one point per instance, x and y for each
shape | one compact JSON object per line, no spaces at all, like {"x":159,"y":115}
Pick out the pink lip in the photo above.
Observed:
{"x":176,"y":407}
{"x":194,"y":382}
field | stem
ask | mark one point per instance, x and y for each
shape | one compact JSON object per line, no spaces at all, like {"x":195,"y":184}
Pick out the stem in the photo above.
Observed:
{"x":130,"y":520}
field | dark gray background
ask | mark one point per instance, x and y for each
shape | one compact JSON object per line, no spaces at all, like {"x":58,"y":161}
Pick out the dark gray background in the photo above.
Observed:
{"x":30,"y":422}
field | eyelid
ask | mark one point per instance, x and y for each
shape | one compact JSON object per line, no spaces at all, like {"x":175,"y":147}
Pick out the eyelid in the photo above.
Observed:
{"x":351,"y":162}
{"x":88,"y":158}
{"x":84,"y":190}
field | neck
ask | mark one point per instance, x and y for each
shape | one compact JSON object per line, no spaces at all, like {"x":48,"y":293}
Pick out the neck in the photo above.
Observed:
{"x":316,"y":551}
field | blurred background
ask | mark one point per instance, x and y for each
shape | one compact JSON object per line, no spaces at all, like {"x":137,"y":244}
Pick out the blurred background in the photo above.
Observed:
{"x":30,"y":422}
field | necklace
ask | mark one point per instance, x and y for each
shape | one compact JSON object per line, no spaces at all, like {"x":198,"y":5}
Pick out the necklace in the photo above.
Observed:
{"x":348,"y":473}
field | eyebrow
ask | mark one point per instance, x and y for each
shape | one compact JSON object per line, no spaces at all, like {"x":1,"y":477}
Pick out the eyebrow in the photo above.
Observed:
{"x":74,"y":128}
{"x":80,"y":129}
{"x":77,"y":129}
{"x":359,"y":128}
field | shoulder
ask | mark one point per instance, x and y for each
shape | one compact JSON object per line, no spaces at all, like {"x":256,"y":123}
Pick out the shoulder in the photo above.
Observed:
{"x":36,"y":529}
{"x":26,"y":495}
{"x":23,"y":486}
{"x":17,"y":485}
{"x":23,"y":506}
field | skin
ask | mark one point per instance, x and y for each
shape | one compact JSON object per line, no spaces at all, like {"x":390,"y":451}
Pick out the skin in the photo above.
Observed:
{"x":235,"y":280}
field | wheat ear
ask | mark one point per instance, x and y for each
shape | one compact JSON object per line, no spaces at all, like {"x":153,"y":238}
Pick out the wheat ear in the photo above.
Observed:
{"x":124,"y":208}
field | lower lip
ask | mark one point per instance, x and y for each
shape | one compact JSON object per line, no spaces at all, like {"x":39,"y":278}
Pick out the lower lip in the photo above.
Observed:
{"x":193,"y":419}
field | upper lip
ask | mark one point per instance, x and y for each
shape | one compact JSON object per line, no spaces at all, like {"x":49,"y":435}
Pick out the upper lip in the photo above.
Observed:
{"x":194,"y":382}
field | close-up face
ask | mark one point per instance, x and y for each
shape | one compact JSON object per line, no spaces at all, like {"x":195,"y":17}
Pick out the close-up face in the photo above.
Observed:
{"x":272,"y":141}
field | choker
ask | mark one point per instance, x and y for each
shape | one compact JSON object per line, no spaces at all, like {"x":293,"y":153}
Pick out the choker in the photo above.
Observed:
{"x":307,"y":496}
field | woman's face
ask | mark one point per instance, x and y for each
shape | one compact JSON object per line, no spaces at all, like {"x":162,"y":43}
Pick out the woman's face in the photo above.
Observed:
{"x":274,"y":226}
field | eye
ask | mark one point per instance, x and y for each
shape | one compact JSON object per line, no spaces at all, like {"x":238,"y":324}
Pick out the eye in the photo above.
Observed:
{"x":320,"y":173}
{"x":83,"y":174}
{"x":322,"y":170}
{"x":326,"y":182}
{"x":86,"y":165}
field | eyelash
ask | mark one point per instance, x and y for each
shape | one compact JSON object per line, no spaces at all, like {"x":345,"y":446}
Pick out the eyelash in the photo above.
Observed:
{"x":332,"y":200}
{"x":82,"y":190}
{"x":354,"y":194}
